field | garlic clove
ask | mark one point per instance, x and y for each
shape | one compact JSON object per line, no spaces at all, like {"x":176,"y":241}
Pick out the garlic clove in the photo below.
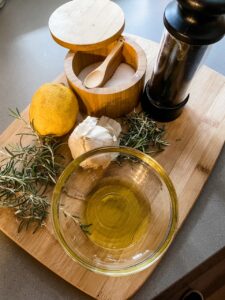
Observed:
{"x":85,"y":127}
{"x":99,"y":160}
{"x":91,"y":134}
{"x":99,"y":133}
{"x":76,"y":146}
{"x":113,"y":126}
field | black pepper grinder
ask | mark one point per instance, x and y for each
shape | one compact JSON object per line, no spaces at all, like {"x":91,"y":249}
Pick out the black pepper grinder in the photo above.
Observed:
{"x":191,"y":25}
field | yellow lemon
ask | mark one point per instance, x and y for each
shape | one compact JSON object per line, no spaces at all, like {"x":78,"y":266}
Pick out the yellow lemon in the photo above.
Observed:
{"x":53,"y":109}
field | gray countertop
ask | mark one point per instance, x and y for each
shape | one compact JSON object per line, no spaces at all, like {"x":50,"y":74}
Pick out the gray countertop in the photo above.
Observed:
{"x":28,"y":58}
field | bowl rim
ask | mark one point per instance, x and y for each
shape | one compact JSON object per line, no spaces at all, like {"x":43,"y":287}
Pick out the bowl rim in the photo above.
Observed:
{"x":137,"y":76}
{"x":174,"y":211}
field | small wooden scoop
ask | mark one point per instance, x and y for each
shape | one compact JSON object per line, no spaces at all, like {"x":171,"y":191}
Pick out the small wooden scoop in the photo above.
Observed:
{"x":102,"y":73}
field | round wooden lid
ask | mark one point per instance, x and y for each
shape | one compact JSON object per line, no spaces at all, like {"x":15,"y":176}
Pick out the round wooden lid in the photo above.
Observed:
{"x":86,"y":24}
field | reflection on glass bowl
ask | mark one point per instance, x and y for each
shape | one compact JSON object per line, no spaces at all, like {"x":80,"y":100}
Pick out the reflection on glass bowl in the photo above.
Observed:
{"x":116,"y":220}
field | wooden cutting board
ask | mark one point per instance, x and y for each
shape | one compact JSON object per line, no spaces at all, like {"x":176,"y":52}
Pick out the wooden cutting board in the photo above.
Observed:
{"x":196,"y":139}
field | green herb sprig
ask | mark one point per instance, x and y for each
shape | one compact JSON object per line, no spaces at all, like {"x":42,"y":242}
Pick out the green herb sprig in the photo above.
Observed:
{"x":26,"y":172}
{"x":84,"y":227}
{"x":143,"y":133}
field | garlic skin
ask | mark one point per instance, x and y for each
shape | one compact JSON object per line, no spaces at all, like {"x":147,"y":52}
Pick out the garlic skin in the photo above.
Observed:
{"x":93,"y":133}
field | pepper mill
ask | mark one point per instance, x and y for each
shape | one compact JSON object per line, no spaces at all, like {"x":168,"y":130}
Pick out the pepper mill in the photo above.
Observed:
{"x":190,"y":26}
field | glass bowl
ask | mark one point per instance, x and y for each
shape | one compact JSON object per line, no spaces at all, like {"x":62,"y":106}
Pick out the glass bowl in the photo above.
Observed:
{"x":114,"y":210}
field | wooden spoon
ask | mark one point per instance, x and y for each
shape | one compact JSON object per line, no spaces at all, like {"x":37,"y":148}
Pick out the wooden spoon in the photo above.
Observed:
{"x":102,"y":73}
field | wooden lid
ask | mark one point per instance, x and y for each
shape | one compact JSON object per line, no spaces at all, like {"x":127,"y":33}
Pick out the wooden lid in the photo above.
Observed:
{"x":86,"y":24}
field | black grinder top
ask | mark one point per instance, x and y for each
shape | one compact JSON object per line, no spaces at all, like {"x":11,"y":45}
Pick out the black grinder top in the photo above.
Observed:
{"x":191,"y":26}
{"x":196,"y":22}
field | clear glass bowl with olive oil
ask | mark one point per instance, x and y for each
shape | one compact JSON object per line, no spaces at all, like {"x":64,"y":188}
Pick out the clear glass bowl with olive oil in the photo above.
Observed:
{"x":116,"y":220}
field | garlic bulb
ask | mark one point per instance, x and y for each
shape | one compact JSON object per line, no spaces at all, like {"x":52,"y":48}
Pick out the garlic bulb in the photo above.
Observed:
{"x":93,"y":133}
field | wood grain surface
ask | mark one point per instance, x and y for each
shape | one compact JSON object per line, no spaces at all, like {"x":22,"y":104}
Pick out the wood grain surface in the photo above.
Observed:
{"x":87,"y":24}
{"x":99,"y":76}
{"x":208,"y":279}
{"x":196,"y":139}
{"x":113,"y":101}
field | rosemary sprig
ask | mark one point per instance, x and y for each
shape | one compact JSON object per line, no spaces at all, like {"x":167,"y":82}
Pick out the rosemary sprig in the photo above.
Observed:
{"x":84,"y":227}
{"x":26,"y":171}
{"x":143,"y":133}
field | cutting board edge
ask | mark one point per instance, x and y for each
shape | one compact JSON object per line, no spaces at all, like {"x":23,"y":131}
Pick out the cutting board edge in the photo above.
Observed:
{"x":130,"y":294}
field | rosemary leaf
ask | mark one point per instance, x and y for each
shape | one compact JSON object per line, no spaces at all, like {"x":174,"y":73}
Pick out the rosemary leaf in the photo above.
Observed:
{"x":143,"y":133}
{"x":26,"y":171}
{"x":84,"y":227}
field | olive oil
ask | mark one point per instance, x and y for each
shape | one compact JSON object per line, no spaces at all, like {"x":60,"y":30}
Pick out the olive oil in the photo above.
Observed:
{"x":119,"y":214}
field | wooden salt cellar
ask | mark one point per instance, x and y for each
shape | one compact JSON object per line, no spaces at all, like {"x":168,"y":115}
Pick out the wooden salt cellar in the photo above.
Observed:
{"x":90,"y":29}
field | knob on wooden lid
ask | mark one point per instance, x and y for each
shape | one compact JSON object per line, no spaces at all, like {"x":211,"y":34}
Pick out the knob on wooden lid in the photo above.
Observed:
{"x":87,"y":24}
